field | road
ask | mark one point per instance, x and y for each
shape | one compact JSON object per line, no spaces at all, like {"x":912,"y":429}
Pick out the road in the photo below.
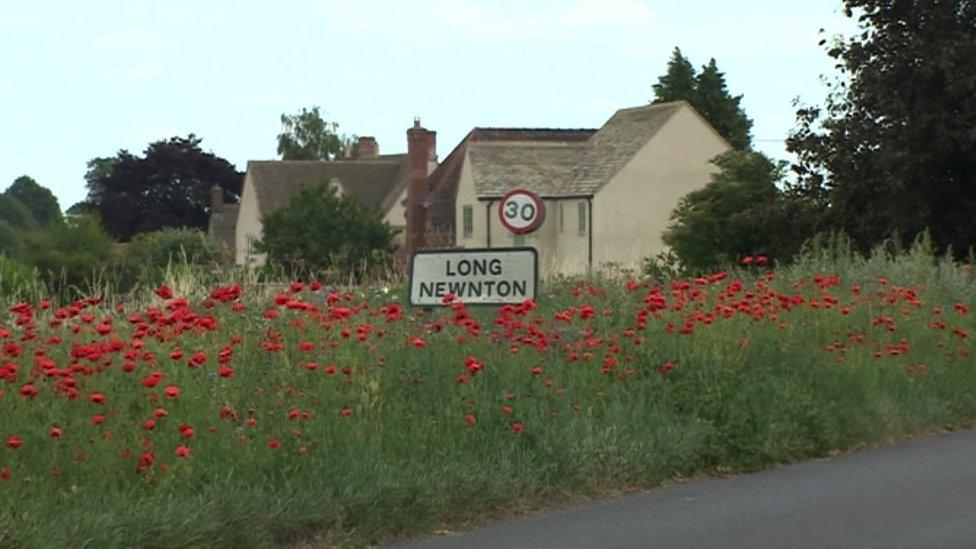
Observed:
{"x":920,"y":493}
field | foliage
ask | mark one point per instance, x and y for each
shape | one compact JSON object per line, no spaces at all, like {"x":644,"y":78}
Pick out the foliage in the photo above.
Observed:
{"x":14,"y":213}
{"x":69,"y":255}
{"x":168,"y":187}
{"x":709,"y":95}
{"x":40,"y":201}
{"x":11,"y":240}
{"x":306,"y":136}
{"x":892,"y":150}
{"x":15,"y":277}
{"x":319,"y":230}
{"x":148,"y":256}
{"x":725,"y":221}
{"x":245,"y":416}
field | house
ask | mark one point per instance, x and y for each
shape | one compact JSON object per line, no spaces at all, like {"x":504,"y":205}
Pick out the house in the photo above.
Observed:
{"x":378,"y":182}
{"x":608,"y":192}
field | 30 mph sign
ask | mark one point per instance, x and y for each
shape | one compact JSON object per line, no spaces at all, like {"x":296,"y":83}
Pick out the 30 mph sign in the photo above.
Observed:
{"x":521,"y":211}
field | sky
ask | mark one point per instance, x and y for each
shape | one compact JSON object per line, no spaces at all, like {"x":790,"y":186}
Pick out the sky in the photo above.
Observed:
{"x":79,"y":80}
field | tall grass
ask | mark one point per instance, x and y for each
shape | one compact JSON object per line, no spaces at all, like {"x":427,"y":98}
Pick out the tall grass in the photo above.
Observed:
{"x":746,"y":392}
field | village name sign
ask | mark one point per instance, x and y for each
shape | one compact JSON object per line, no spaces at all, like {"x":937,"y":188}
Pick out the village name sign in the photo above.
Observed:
{"x":488,"y":276}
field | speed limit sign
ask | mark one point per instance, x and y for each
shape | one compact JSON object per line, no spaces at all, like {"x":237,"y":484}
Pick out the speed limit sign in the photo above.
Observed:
{"x":521,"y":211}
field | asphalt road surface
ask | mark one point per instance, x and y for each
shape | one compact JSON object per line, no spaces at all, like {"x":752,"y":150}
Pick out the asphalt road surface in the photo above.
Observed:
{"x":916,"y":494}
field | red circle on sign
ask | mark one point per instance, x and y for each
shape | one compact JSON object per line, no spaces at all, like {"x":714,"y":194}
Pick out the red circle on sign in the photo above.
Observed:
{"x":521,"y":211}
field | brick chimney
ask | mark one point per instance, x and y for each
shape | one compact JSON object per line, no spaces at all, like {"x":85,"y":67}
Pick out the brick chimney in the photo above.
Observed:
{"x":367,"y":147}
{"x":216,"y":199}
{"x":420,"y":151}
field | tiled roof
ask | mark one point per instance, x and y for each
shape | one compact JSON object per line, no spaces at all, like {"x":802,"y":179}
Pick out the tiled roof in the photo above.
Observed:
{"x":498,"y":167}
{"x":375,"y":182}
{"x":617,"y":142}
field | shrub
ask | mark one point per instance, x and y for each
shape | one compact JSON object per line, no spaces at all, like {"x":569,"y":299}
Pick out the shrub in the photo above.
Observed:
{"x":723,"y":221}
{"x":15,"y":278}
{"x":319,"y":230}
{"x":71,"y":254}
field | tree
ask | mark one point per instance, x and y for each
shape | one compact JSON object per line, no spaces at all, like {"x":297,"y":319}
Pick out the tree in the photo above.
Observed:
{"x":708,"y":93}
{"x":306,"y":136}
{"x":40,"y":201}
{"x":317,"y":229}
{"x":679,"y":82}
{"x":725,"y":220}
{"x":168,"y":187}
{"x":712,"y":100}
{"x":893,"y":150}
{"x":15,"y":214}
{"x":69,"y":254}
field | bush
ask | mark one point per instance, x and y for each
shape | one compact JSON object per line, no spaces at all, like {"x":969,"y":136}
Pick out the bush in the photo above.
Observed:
{"x":319,"y":230}
{"x":15,"y":278}
{"x":149,"y":254}
{"x":71,"y":254}
{"x":724,"y":221}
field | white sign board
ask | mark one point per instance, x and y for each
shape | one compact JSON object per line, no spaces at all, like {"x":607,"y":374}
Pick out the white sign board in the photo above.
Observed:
{"x":474,"y":276}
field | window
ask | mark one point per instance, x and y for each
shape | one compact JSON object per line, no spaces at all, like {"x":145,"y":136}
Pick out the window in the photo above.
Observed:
{"x":582,"y":218}
{"x":467,"y":221}
{"x":561,"y":216}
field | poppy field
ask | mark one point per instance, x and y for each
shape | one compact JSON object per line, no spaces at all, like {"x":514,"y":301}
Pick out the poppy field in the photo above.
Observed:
{"x":234,"y":415}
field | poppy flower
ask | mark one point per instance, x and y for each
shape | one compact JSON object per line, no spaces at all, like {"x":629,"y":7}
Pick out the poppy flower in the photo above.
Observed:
{"x":226,"y":371}
{"x":274,"y":444}
{"x":470,"y":419}
{"x":54,"y":432}
{"x":164,"y":292}
{"x":346,"y":411}
{"x":14,"y":442}
{"x":28,"y":391}
{"x":97,"y":398}
{"x":172,"y":391}
{"x":182,"y":451}
{"x":517,"y":427}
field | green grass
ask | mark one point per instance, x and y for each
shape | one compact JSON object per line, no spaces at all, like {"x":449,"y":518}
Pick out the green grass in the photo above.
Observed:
{"x":746,"y":393}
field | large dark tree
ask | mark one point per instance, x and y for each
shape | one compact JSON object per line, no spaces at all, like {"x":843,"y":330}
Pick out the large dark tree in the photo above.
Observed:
{"x":708,"y":93}
{"x":167,"y":187}
{"x":41,"y":202}
{"x":893,"y":150}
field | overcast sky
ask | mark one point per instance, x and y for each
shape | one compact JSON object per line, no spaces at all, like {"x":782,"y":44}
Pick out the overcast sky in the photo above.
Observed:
{"x":85,"y":79}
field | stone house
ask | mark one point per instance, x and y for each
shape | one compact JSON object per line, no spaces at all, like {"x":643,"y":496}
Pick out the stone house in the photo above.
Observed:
{"x":608,"y":192}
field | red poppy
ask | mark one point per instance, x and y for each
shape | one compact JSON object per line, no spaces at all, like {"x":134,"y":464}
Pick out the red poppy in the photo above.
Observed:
{"x":14,"y":442}
{"x":97,"y":398}
{"x":28,"y":391}
{"x":226,"y":371}
{"x":182,"y":451}
{"x":165,"y":292}
{"x":54,"y":432}
{"x":346,"y":411}
{"x":172,"y":391}
{"x":274,"y":444}
{"x":470,"y":419}
{"x":517,"y":427}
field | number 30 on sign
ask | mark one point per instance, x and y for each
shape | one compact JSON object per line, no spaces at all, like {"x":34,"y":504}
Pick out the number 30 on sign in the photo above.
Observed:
{"x":521,"y":211}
